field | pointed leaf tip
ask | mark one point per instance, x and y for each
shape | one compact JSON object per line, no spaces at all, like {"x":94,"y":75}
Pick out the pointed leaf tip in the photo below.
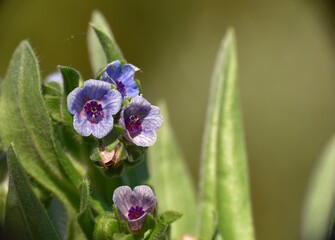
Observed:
{"x":102,"y":46}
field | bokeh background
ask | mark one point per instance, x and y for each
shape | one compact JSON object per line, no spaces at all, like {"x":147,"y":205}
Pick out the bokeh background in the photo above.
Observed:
{"x":286,"y":53}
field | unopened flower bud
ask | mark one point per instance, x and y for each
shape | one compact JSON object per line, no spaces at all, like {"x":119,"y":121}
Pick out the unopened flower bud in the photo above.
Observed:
{"x":110,"y":158}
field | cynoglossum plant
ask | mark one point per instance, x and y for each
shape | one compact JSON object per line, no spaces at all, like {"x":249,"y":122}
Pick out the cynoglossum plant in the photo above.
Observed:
{"x":101,"y":163}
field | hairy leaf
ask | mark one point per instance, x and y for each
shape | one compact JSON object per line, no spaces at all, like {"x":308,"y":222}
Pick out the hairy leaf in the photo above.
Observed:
{"x":25,"y":217}
{"x":85,"y":217}
{"x":105,"y":227}
{"x":24,"y":121}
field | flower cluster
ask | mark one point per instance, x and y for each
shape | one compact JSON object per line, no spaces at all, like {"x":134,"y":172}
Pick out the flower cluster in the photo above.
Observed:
{"x":98,"y":105}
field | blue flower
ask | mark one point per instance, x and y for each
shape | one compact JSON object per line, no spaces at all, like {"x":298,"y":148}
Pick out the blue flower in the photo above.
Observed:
{"x":134,"y":205}
{"x":141,"y":120}
{"x":93,"y":108}
{"x":122,"y":77}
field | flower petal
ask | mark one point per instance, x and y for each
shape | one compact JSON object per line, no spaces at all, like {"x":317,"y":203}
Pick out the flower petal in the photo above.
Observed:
{"x":82,"y":125}
{"x":145,"y":198}
{"x":146,"y":138}
{"x":96,"y":89}
{"x":113,"y":71}
{"x":132,"y":89}
{"x":112,"y":101}
{"x":138,"y":106}
{"x":128,"y":71}
{"x":75,"y":101}
{"x":154,"y":119}
{"x":121,"y":198}
{"x":104,"y":126}
{"x":136,"y":224}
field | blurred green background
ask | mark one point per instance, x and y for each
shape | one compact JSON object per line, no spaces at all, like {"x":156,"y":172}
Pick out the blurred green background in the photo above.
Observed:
{"x":286,"y":72}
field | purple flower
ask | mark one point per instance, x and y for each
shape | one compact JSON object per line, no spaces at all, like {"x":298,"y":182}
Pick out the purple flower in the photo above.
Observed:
{"x":141,"y":120}
{"x":93,"y":108}
{"x":122,"y":77}
{"x":134,"y":205}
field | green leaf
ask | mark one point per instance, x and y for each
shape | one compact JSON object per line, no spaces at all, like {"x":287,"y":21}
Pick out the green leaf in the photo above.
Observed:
{"x":122,"y":236}
{"x":53,"y":104}
{"x":105,"y":227}
{"x":23,"y":210}
{"x":71,"y":79}
{"x":58,"y":217}
{"x":85,"y":217}
{"x":319,"y":206}
{"x":24,"y":121}
{"x":71,"y":172}
{"x":169,"y":217}
{"x":148,"y":225}
{"x":160,"y":231}
{"x":52,"y":93}
{"x":171,"y":180}
{"x":102,"y":46}
{"x":224,"y":179}
{"x":111,"y":50}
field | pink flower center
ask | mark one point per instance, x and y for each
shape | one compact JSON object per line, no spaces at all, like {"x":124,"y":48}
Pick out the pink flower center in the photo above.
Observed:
{"x":121,"y":87}
{"x":93,"y":110}
{"x":135,"y":212}
{"x":133,"y":125}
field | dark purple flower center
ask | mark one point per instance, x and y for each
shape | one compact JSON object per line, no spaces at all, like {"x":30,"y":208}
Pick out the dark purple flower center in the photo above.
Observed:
{"x":121,"y":88}
{"x":93,"y":110}
{"x":133,"y":125}
{"x":135,"y":212}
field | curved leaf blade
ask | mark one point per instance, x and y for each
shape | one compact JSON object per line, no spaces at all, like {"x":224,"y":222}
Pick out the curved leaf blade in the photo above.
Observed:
{"x":171,"y":181}
{"x":23,"y":210}
{"x":319,"y":207}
